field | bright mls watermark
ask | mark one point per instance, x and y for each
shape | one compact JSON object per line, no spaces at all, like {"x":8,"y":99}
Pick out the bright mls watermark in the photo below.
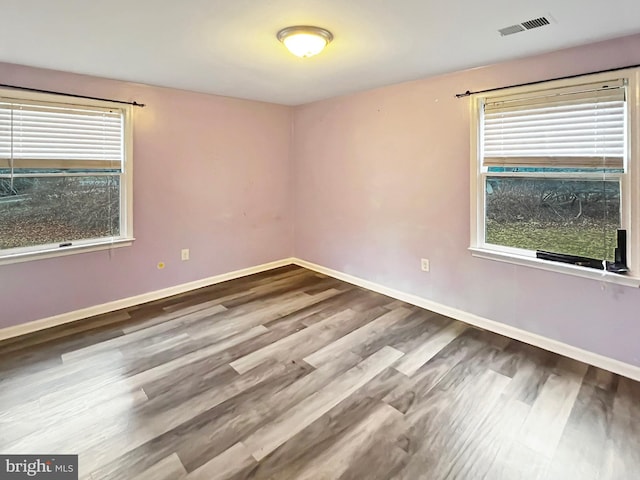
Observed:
{"x":51,"y":467}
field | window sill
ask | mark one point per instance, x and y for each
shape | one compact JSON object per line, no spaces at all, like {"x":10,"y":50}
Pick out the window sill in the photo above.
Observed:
{"x":63,"y":251}
{"x":584,"y":272}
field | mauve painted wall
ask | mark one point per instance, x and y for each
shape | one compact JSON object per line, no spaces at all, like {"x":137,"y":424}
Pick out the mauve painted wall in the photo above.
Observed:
{"x":382,"y":179}
{"x":211,"y":174}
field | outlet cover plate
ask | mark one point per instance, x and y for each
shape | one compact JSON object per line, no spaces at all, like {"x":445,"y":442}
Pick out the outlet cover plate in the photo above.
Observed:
{"x":424,"y":264}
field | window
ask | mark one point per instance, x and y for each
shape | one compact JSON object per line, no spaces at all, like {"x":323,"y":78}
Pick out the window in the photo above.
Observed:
{"x":554,"y":175}
{"x":65,"y":175}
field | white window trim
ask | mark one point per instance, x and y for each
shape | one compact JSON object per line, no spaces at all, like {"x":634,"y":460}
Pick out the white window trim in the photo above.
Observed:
{"x":88,"y":246}
{"x":39,"y":252}
{"x":566,"y":268}
{"x":630,"y":200}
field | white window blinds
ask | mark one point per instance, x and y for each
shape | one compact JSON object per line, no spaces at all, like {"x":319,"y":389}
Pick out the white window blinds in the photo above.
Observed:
{"x":571,"y":127}
{"x":37,"y":135}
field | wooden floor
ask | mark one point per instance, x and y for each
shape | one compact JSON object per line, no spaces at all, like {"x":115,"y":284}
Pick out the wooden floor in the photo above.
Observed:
{"x":289,"y":374}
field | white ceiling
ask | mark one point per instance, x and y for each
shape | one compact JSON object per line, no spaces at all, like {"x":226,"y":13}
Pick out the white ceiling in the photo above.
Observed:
{"x":229,"y":47}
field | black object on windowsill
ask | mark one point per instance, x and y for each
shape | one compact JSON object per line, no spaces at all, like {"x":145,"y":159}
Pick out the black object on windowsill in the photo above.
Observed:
{"x":572,"y":259}
{"x":618,"y":266}
{"x":620,"y":257}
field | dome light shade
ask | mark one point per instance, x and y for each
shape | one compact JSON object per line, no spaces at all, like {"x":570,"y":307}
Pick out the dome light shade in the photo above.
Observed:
{"x":305,"y":41}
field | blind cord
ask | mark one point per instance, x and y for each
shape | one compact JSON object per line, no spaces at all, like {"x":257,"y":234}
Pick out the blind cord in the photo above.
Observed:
{"x":11,"y":165}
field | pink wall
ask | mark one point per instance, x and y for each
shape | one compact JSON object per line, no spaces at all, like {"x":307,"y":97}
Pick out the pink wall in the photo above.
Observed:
{"x":382,"y":179}
{"x":210,"y":174}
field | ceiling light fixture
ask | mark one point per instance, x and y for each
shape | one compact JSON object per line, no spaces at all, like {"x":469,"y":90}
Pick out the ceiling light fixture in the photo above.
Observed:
{"x":305,"y":41}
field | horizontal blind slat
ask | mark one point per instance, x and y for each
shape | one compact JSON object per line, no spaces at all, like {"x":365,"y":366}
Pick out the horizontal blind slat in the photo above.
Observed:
{"x":568,"y":134}
{"x":528,"y":115}
{"x":560,"y":162}
{"x":62,"y":164}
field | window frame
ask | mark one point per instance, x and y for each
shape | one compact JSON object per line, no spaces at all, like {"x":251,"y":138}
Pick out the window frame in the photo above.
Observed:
{"x":126,"y":237}
{"x":629,"y":195}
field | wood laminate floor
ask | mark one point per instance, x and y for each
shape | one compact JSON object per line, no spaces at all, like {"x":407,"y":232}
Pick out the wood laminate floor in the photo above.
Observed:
{"x":289,"y":374}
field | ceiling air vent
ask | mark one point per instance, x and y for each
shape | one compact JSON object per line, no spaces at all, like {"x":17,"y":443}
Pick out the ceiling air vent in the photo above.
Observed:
{"x":535,"y":23}
{"x":521,"y":27}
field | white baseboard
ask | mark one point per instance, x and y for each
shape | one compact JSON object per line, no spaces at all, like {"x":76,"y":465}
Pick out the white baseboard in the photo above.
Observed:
{"x":610,"y":364}
{"x":30,"y":327}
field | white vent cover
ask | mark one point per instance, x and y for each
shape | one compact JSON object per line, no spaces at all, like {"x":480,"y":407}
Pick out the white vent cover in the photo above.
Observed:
{"x":527,"y":25}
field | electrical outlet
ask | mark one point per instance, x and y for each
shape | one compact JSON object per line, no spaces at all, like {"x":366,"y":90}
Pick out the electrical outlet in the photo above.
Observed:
{"x":424,"y":264}
{"x":185,"y":254}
